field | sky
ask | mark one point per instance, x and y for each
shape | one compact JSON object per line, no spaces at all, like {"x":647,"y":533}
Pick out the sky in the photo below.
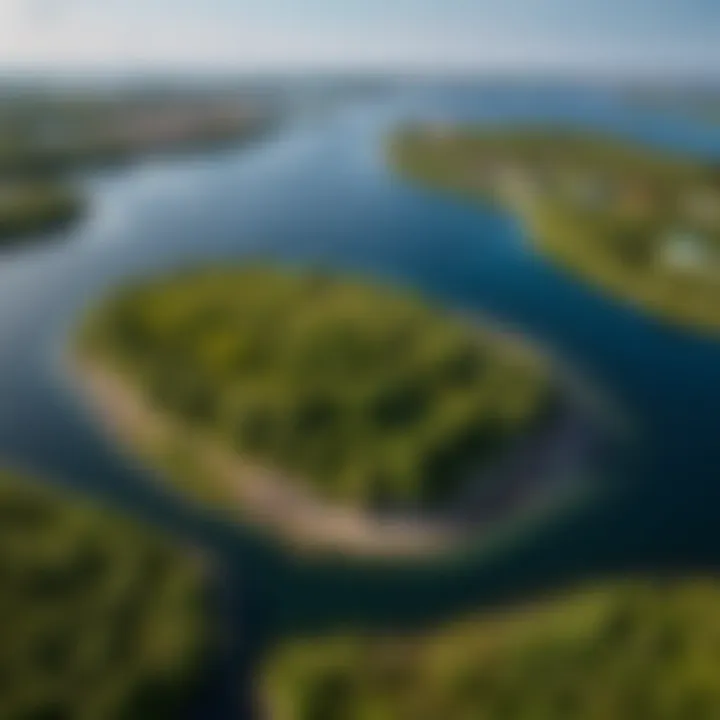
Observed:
{"x":603,"y":36}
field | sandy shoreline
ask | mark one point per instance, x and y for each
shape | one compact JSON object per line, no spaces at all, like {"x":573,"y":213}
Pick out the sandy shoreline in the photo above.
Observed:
{"x":269,"y":500}
{"x":264,"y":497}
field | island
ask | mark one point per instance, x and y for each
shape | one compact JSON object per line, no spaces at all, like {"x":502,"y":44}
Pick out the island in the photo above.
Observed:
{"x":46,"y":140}
{"x":102,"y":618}
{"x":622,"y":650}
{"x":338,"y":412}
{"x":640,"y":223}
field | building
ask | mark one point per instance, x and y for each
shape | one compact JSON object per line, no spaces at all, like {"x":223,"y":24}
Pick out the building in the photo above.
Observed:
{"x":685,"y":251}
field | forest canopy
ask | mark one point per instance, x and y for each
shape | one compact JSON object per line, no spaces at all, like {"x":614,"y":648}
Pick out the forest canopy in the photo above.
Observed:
{"x":369,"y":395}
{"x":623,"y":651}
{"x":100,"y":618}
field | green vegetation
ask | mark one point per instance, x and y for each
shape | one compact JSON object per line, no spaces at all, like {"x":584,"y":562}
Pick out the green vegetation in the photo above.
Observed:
{"x":101,"y":619}
{"x":622,"y":652}
{"x":369,"y":396}
{"x":643,"y":224}
{"x":26,"y":209}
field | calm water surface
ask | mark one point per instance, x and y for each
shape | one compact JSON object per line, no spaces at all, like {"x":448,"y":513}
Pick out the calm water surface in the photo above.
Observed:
{"x":319,"y":192}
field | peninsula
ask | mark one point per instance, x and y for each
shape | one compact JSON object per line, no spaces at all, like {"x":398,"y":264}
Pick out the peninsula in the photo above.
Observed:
{"x":642,"y":224}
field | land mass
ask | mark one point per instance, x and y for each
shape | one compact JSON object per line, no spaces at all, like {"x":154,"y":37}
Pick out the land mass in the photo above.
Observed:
{"x":45,"y":140}
{"x":340,"y":414}
{"x":101,"y":618}
{"x":642,"y":224}
{"x":30,"y":208}
{"x":619,"y":651}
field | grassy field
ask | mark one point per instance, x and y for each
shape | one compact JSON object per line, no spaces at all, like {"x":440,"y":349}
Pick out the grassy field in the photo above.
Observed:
{"x":627,"y":651}
{"x":641,"y":224}
{"x":368,"y":396}
{"x":98,"y":618}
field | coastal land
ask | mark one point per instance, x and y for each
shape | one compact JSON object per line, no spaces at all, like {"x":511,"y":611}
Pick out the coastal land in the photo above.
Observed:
{"x":640,"y":223}
{"x":46,"y":140}
{"x":337,"y":414}
{"x":102,"y":618}
{"x":623,"y":650}
{"x":30,"y":208}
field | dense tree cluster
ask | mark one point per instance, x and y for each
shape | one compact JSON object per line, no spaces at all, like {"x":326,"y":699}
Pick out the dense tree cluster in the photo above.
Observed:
{"x":369,"y":395}
{"x":643,"y":223}
{"x":621,"y":652}
{"x":32,"y":208}
{"x":100,"y":619}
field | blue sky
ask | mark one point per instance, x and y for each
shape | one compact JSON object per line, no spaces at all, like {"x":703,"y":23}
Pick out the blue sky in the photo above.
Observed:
{"x":616,"y":36}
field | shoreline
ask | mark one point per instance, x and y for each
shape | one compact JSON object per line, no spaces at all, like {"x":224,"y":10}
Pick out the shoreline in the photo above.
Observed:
{"x":652,"y":293}
{"x":70,"y":216}
{"x":30,"y":229}
{"x":541,"y":464}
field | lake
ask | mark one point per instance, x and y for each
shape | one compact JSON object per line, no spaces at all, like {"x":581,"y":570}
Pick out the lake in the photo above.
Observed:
{"x":318,"y":191}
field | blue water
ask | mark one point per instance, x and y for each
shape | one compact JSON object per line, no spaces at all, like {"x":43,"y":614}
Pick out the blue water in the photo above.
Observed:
{"x":318,"y":192}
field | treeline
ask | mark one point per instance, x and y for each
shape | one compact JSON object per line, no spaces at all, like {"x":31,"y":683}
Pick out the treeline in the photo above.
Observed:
{"x":26,"y":158}
{"x":98,"y":618}
{"x":367,"y":394}
{"x":624,"y":651}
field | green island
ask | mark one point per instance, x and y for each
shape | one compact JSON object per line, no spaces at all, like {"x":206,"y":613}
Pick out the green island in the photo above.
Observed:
{"x":641,"y":223}
{"x":43,"y":140}
{"x":101,"y":618}
{"x":308,"y":399}
{"x":620,"y":651}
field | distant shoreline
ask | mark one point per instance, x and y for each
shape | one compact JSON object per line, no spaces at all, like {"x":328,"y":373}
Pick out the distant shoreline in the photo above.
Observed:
{"x":651,"y":240}
{"x":69,"y":208}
